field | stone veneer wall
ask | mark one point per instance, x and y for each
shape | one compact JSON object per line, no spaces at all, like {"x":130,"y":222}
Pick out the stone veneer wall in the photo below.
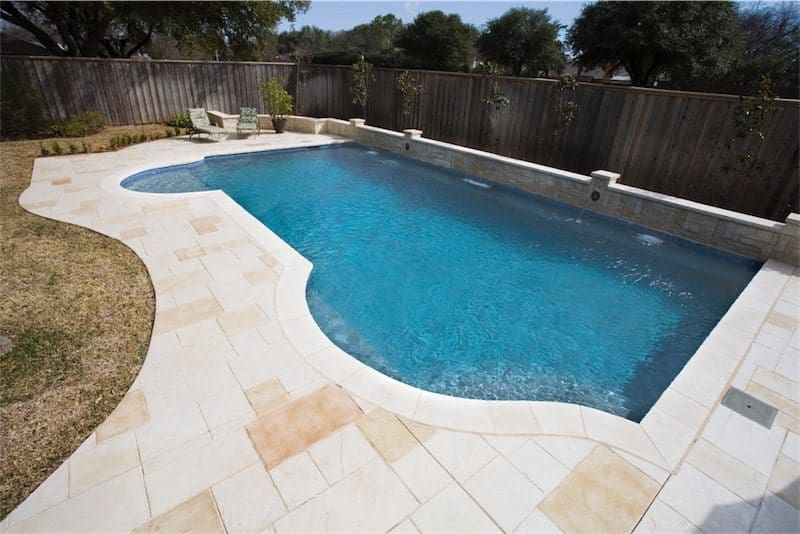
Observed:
{"x":749,"y":236}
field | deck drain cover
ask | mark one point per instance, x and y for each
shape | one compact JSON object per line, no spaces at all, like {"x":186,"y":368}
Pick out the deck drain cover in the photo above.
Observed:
{"x":750,"y":407}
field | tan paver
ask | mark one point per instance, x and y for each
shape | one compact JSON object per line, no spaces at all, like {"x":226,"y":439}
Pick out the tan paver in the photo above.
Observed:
{"x":292,"y":428}
{"x":387,"y":434}
{"x":267,"y":396}
{"x":94,"y":466}
{"x":130,"y":233}
{"x":129,"y":414}
{"x":185,"y":314}
{"x":198,"y":514}
{"x":247,"y":318}
{"x":604,"y":493}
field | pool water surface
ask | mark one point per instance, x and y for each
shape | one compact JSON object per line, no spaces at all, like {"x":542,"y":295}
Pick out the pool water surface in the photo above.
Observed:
{"x":456,"y":286}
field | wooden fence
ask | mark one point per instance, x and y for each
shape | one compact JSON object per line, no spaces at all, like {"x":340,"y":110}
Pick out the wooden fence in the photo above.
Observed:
{"x":666,"y":141}
{"x":141,"y":92}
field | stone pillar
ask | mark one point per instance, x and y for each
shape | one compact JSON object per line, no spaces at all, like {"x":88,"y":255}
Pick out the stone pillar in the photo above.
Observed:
{"x":788,"y":246}
{"x":355,"y":124}
{"x":600,"y":182}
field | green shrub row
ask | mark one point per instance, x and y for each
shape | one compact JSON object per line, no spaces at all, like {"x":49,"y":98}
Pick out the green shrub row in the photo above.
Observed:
{"x":89,"y":123}
{"x":56,"y":149}
{"x":115,"y":142}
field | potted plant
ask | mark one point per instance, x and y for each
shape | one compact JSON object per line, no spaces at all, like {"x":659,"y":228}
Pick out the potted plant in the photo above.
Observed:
{"x":278,"y":102}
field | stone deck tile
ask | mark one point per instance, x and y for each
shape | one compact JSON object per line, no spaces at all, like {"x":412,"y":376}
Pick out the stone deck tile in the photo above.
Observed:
{"x":235,"y":345}
{"x":197,"y":514}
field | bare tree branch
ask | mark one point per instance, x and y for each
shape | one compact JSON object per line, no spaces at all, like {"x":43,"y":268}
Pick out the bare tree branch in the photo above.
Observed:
{"x":10,"y":13}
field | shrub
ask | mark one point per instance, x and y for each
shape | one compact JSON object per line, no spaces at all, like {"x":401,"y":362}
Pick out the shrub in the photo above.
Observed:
{"x":182,"y":120}
{"x":89,"y":123}
{"x":57,"y":150}
{"x":86,"y":147}
{"x":409,"y":91}
{"x":43,"y":150}
{"x":72,"y":148}
{"x":276,"y":98}
{"x":362,"y":76}
{"x":21,"y":109}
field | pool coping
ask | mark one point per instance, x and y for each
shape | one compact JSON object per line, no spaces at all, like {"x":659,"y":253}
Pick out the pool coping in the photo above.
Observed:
{"x":662,"y":437}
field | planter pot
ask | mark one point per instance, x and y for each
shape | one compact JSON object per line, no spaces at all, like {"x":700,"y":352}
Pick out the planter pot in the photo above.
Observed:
{"x":279,"y":124}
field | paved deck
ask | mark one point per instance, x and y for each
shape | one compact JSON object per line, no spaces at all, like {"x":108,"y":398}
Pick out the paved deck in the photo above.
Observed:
{"x":246,"y":418}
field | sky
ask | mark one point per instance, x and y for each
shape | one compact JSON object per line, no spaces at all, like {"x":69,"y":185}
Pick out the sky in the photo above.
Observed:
{"x":344,"y":14}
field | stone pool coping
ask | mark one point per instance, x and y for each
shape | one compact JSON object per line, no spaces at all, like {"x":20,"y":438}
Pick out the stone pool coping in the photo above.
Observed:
{"x":661,"y":439}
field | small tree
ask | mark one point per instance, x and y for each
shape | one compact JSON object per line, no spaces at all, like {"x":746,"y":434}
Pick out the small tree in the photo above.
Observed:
{"x":751,"y":117}
{"x":362,"y":76}
{"x":565,"y":108}
{"x":496,"y":103}
{"x":496,"y":99}
{"x":409,"y":91}
{"x":276,"y":97}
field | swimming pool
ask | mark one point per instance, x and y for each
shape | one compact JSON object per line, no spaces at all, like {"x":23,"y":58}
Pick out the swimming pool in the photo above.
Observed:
{"x":460,"y":287}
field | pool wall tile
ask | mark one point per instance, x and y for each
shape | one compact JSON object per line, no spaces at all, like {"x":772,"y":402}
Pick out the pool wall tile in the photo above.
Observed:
{"x":746,"y":235}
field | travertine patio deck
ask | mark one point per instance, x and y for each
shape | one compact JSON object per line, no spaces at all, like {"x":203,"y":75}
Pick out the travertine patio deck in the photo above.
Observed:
{"x":246,"y":418}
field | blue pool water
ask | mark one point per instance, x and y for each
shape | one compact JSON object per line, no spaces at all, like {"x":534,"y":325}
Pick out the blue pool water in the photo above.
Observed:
{"x":445,"y":284}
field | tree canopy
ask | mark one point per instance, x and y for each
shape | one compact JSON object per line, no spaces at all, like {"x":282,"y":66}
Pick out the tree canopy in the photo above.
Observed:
{"x":771,"y":47}
{"x":650,"y":39}
{"x":524,"y":40}
{"x":303,"y":43}
{"x":375,"y":37}
{"x":438,"y":41}
{"x":121,"y":29}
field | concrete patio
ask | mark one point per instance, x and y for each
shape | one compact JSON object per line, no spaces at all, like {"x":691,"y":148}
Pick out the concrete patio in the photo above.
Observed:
{"x":246,"y":418}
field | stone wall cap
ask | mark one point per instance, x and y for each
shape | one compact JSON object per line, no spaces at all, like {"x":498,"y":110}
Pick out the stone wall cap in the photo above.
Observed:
{"x":697,"y":207}
{"x":605,"y":175}
{"x":221,"y":115}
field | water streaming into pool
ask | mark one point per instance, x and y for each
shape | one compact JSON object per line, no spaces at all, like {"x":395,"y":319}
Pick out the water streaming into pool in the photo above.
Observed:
{"x":439,"y":281}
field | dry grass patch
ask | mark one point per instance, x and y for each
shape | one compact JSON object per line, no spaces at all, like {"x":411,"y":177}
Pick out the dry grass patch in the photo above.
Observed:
{"x":78,"y":308}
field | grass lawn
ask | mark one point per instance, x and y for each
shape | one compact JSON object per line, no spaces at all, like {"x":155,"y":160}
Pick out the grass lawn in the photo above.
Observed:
{"x":78,"y":308}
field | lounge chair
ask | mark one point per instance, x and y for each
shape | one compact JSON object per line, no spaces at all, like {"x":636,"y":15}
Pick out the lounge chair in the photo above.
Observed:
{"x":201,"y":124}
{"x":248,"y":121}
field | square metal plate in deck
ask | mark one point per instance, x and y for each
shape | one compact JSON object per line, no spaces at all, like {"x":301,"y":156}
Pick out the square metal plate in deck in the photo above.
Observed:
{"x":750,"y":407}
